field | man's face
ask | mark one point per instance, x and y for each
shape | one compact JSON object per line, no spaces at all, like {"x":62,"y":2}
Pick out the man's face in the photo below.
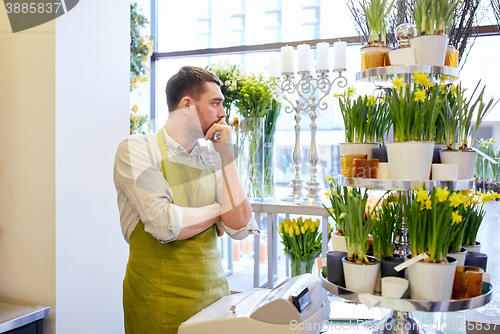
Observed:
{"x":209,"y":106}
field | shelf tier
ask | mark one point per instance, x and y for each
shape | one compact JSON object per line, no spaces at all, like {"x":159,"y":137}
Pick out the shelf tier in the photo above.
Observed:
{"x":409,"y":305}
{"x":383,"y":76}
{"x":404,"y":184}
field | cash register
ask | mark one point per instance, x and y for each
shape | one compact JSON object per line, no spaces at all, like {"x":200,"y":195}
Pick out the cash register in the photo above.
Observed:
{"x":300,"y":305}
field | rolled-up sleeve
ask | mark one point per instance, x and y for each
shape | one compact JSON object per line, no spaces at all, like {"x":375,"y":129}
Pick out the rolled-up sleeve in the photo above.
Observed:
{"x":252,"y":227}
{"x":146,"y":193}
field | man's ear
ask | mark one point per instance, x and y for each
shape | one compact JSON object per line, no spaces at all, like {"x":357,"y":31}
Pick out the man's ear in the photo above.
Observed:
{"x":185,"y":102}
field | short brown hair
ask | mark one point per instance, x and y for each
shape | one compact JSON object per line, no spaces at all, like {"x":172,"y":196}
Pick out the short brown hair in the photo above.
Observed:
{"x":189,"y":81}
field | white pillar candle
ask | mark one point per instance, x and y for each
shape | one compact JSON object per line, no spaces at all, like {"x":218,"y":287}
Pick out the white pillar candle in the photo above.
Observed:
{"x":340,"y":55}
{"x":322,"y":56}
{"x":304,"y":57}
{"x":274,"y":66}
{"x":287,"y":59}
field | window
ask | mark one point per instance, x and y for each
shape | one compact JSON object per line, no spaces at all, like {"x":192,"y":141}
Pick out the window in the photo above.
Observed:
{"x":245,"y":33}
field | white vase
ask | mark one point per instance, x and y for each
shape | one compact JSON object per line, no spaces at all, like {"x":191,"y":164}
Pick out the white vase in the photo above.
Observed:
{"x":430,"y":49}
{"x":410,"y":160}
{"x":466,"y":161}
{"x":432,"y":281}
{"x":339,"y":243}
{"x":358,"y":148}
{"x":474,"y":249}
{"x":405,"y":56}
{"x":459,"y":256}
{"x":361,"y":277}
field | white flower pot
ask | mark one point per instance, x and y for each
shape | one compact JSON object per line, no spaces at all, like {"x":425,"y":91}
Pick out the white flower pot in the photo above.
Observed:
{"x":361,"y":277}
{"x":474,"y":249}
{"x":459,"y":256}
{"x":444,"y":172}
{"x":430,"y":49}
{"x":405,"y":56}
{"x":339,"y":243}
{"x":432,"y":281}
{"x":466,"y":161}
{"x":358,"y":148}
{"x":410,"y":160}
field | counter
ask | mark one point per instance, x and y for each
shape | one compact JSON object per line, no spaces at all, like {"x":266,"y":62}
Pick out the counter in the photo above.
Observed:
{"x":23,"y":318}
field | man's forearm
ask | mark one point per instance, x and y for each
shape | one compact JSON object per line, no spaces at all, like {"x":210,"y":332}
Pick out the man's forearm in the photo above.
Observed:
{"x":236,"y":209}
{"x":197,"y":220}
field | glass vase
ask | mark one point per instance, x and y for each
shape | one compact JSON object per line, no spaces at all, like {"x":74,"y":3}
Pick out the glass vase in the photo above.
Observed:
{"x":251,"y":157}
{"x":269,"y":166}
{"x":300,"y":267}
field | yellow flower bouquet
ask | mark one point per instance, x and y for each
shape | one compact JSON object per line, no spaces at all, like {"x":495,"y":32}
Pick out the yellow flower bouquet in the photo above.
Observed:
{"x":302,"y":241}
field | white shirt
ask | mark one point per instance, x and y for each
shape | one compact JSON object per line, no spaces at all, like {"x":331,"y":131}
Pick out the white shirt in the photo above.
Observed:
{"x":143,"y":193}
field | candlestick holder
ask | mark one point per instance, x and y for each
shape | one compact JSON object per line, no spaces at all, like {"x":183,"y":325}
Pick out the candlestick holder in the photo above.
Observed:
{"x":308,"y":88}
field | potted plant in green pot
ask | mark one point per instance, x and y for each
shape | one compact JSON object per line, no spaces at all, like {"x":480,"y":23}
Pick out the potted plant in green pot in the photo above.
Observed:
{"x":374,"y":53}
{"x":459,"y":112}
{"x":413,"y":111}
{"x":365,"y":122}
{"x":360,"y":270}
{"x":432,"y":219}
{"x":433,"y":20}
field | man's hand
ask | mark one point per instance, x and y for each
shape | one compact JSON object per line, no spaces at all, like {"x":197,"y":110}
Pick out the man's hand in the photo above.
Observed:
{"x":222,"y":144}
{"x":220,"y":230}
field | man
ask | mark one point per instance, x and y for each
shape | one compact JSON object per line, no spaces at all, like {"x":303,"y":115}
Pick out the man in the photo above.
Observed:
{"x":175,"y":197}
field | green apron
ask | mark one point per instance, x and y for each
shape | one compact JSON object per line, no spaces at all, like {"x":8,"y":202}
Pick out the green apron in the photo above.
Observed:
{"x":167,"y":283}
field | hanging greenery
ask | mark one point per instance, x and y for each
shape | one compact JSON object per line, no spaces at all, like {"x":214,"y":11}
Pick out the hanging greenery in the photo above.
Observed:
{"x":141,"y":47}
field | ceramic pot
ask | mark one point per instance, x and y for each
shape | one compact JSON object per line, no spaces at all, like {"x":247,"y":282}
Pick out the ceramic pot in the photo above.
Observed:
{"x":444,"y":172}
{"x":466,"y":161}
{"x":374,"y":56}
{"x":459,"y":256}
{"x":472,"y":249}
{"x":380,"y":153}
{"x":405,"y":56}
{"x":430,"y":49}
{"x":432,"y":281}
{"x":476,"y":259}
{"x":339,"y":243}
{"x":410,"y":160}
{"x":387,"y":265}
{"x":335,"y":267}
{"x":361,"y":277}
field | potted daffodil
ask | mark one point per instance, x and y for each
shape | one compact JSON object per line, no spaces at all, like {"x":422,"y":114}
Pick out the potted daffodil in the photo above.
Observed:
{"x":458,"y":112}
{"x":413,"y":109}
{"x":375,"y":52}
{"x":433,"y":20}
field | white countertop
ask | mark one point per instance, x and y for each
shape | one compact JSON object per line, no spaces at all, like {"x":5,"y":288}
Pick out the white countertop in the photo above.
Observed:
{"x":14,"y":314}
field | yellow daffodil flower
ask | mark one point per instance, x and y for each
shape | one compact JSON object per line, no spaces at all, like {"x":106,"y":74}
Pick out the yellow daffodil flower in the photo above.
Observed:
{"x":442,"y":89}
{"x":428,"y":204}
{"x":453,"y":90}
{"x":398,"y":83}
{"x":329,"y":178}
{"x":443,"y":78}
{"x":371,"y":101}
{"x":455,"y":199}
{"x":442,"y":194}
{"x":455,"y":218}
{"x":420,"y":95}
{"x":420,"y":78}
{"x":422,"y":195}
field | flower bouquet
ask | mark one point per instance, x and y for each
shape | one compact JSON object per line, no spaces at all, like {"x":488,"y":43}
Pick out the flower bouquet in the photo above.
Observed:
{"x":302,"y":241}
